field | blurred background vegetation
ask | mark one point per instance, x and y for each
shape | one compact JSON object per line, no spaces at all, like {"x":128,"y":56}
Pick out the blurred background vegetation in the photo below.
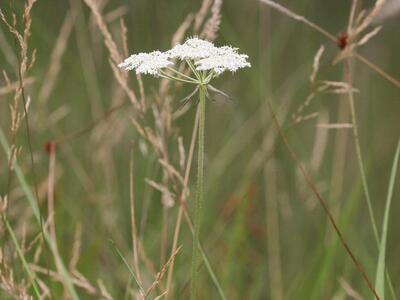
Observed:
{"x":264,"y":232}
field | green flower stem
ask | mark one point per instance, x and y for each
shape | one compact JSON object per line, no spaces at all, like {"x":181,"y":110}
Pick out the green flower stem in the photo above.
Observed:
{"x":210,"y":76}
{"x":181,"y":74}
{"x":193,"y":68}
{"x":199,"y":192}
{"x":171,"y":77}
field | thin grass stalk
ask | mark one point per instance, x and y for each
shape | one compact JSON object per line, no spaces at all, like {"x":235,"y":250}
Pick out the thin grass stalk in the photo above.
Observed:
{"x":380,"y":271}
{"x":33,"y":169}
{"x":31,"y":275}
{"x":164,"y":235}
{"x":198,"y":205}
{"x":182,"y":200}
{"x":191,"y":227}
{"x":330,"y":36}
{"x":36,"y":212}
{"x":348,"y":75}
{"x":377,"y":69}
{"x":205,"y":258}
{"x":133,"y":220}
{"x":131,"y":272}
{"x":273,"y":231}
{"x":362,"y":169}
{"x":322,"y":202}
{"x":358,"y":150}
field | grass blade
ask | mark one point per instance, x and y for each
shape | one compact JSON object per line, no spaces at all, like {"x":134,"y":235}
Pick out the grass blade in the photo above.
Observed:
{"x":142,"y":292}
{"x":25,"y":264}
{"x":380,"y":270}
{"x":32,"y":202}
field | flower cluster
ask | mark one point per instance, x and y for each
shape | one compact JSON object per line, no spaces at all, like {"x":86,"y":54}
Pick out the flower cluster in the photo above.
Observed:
{"x":225,"y":58}
{"x":146,"y":63}
{"x":200,"y":55}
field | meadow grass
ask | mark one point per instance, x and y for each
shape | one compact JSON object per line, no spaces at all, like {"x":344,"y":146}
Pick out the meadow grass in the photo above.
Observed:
{"x":99,"y":193}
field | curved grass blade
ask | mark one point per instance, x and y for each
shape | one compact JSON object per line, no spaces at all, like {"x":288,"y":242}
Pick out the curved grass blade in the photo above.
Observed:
{"x":380,"y":270}
{"x":24,"y":262}
{"x":142,"y":291}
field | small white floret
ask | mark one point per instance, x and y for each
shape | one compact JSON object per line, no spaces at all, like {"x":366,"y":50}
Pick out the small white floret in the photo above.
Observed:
{"x":226,"y":58}
{"x":194,"y":49}
{"x":147,"y":63}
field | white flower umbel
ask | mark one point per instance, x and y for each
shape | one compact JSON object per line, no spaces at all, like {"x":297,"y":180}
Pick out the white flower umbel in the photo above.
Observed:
{"x":206,"y":61}
{"x":225,"y":59}
{"x":193,"y":49}
{"x":147,"y":63}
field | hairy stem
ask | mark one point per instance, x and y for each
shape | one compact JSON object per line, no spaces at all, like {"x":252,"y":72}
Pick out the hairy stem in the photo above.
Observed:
{"x":199,"y":193}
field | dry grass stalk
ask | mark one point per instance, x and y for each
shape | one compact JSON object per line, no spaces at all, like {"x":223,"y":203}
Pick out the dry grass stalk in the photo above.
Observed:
{"x":352,"y":14}
{"x":323,"y":204}
{"x":50,"y":191}
{"x":316,"y":63}
{"x":347,"y":50}
{"x":86,"y":57}
{"x":7,"y":50}
{"x":368,"y":19}
{"x":182,"y":153}
{"x":76,"y":248}
{"x":25,"y":62}
{"x":11,"y":87}
{"x":201,"y":14}
{"x":77,"y":279}
{"x":322,"y":86}
{"x":101,"y":24}
{"x":390,"y":9}
{"x":335,"y":126}
{"x":164,"y":190}
{"x":116,"y":14}
{"x":211,"y":27}
{"x":16,"y":290}
{"x":53,"y":71}
{"x":365,"y":39}
{"x":182,"y":199}
{"x":161,"y":274}
{"x":297,"y":17}
{"x":303,"y":118}
{"x":134,"y":235}
{"x":124,"y":39}
{"x":350,"y":291}
{"x":115,"y":56}
{"x":273,"y":231}
{"x":23,"y":37}
{"x":172,"y":172}
{"x":320,"y":143}
{"x":180,"y":33}
{"x":106,"y":295}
